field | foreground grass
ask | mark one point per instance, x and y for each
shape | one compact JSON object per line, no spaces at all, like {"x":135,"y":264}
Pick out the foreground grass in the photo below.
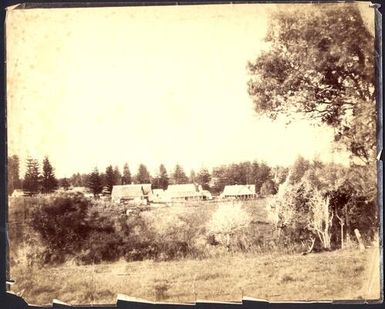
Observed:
{"x":344,"y":274}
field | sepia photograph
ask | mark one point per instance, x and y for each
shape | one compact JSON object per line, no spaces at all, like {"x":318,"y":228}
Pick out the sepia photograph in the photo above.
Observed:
{"x":177,"y":153}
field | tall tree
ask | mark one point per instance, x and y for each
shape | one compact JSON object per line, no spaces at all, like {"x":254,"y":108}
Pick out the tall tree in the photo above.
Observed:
{"x":220,"y":178}
{"x":126,"y":179}
{"x":110,"y":178}
{"x":161,"y":180}
{"x":321,"y":65}
{"x":203,"y":178}
{"x":163,"y":177}
{"x":263,"y":173}
{"x":118,"y":176}
{"x":48,"y":180}
{"x":143,"y":175}
{"x":31,"y":178}
{"x":192,"y":177}
{"x":95,"y":182}
{"x":13,"y":174}
{"x":299,"y":168}
{"x":179,"y":176}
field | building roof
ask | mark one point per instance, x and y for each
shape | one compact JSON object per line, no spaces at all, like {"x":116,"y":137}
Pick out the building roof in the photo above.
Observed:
{"x":183,"y":190}
{"x":157,"y":192}
{"x":130,"y":191}
{"x":238,"y":190}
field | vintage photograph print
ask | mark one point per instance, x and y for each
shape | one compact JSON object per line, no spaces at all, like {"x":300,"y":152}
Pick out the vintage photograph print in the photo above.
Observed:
{"x":193,"y":152}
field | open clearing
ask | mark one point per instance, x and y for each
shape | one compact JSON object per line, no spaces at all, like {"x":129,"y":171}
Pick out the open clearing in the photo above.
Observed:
{"x":343,"y":274}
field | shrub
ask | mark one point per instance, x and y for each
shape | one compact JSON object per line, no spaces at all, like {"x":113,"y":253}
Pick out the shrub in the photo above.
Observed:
{"x":298,"y":211}
{"x":228,"y":226}
{"x":60,"y":220}
{"x":70,"y":227}
{"x":101,"y":246}
{"x":176,"y":234}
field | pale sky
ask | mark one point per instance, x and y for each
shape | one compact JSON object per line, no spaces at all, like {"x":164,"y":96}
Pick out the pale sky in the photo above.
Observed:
{"x":98,"y":86}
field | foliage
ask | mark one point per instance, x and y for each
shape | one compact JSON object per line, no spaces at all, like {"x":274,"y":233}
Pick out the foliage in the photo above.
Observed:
{"x":321,"y":218}
{"x":192,"y":177}
{"x":161,"y":181}
{"x":320,"y":64}
{"x":102,"y":242}
{"x":290,"y":211}
{"x":117,"y":175}
{"x":328,"y":202}
{"x":203,"y":178}
{"x":143,"y":175}
{"x":126,"y":178}
{"x":111,"y":178}
{"x":95,"y":182}
{"x":298,"y":170}
{"x":279,"y":174}
{"x":48,"y":180}
{"x":355,"y":204}
{"x":31,"y":179}
{"x":61,"y":222}
{"x":175,"y":236}
{"x":13,"y":179}
{"x":179,"y":176}
{"x":79,"y":180}
{"x":64,"y":183}
{"x":268,"y":188}
{"x":241,"y":173}
{"x":229,"y":220}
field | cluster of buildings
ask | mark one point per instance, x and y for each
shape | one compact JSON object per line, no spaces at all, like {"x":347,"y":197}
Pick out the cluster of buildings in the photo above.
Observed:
{"x":143,"y":194}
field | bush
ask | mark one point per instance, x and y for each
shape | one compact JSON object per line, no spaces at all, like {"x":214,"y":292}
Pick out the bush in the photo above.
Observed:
{"x":296,"y":213}
{"x":61,"y":221}
{"x":229,"y":225}
{"x":101,"y":246}
{"x":176,"y":234}
{"x":69,"y":226}
{"x":356,"y":210}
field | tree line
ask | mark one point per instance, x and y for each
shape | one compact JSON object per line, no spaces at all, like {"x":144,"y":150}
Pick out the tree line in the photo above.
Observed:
{"x":265,"y":178}
{"x":34,"y":180}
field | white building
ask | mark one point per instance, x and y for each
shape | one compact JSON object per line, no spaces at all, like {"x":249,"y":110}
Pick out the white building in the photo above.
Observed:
{"x":239,"y":192}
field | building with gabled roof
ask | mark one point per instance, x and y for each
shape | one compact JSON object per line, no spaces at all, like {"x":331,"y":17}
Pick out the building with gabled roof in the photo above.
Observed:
{"x":159,"y":196}
{"x":239,"y":192}
{"x":184,"y":192}
{"x":132,"y":192}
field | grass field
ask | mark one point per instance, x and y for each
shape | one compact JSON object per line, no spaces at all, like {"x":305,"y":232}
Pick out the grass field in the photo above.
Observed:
{"x":343,"y":274}
{"x":221,"y":275}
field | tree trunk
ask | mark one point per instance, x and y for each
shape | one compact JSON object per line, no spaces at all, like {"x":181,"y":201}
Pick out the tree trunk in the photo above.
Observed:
{"x":342,"y":234}
{"x":360,"y":243}
{"x":342,"y":229}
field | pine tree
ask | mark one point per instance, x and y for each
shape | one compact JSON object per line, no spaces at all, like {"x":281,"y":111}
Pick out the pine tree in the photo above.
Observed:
{"x":95,"y":182}
{"x":193,"y":176}
{"x":110,"y":178}
{"x":163,"y":177}
{"x":118,"y":176}
{"x":143,"y":175}
{"x":179,"y":176}
{"x":126,"y":179}
{"x":31,"y":179}
{"x":48,"y":181}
